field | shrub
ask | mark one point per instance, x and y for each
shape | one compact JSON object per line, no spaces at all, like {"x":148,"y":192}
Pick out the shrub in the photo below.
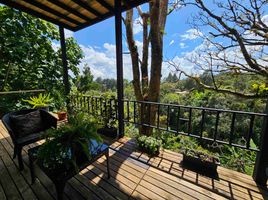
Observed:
{"x":149,"y":145}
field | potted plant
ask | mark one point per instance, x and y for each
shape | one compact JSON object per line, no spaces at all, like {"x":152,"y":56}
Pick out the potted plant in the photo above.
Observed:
{"x":62,"y":113}
{"x":108,"y":120}
{"x":200,"y":161}
{"x":41,"y":101}
{"x":68,"y":145}
{"x":149,"y":145}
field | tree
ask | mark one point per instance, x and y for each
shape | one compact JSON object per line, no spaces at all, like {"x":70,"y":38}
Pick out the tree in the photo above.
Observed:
{"x":236,"y":44}
{"x":29,"y":57}
{"x":171,"y":78}
{"x":147,"y":88}
{"x":85,"y":81}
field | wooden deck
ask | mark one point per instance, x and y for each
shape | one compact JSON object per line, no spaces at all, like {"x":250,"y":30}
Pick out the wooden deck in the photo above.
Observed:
{"x":133,"y":176}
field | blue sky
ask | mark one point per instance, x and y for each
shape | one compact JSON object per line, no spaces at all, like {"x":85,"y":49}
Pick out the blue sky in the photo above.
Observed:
{"x":98,"y":43}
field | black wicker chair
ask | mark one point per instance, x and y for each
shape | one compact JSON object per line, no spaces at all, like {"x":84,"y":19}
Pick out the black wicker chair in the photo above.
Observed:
{"x":47,"y":121}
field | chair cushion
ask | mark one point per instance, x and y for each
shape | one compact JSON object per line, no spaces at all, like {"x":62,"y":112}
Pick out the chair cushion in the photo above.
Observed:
{"x":26,"y":124}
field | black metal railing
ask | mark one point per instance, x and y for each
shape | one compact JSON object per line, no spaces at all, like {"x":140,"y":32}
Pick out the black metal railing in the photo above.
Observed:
{"x":234,"y":128}
{"x":97,"y":106}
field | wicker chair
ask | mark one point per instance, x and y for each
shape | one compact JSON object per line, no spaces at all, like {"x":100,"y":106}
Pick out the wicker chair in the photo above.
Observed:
{"x":47,"y":121}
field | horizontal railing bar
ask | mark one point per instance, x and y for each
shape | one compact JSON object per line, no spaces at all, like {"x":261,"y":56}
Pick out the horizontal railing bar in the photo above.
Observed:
{"x":98,"y":102}
{"x":22,"y":91}
{"x":199,"y":108}
{"x":193,"y":107}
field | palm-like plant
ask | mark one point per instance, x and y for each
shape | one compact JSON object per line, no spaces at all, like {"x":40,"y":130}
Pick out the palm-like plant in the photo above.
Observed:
{"x":42,"y":100}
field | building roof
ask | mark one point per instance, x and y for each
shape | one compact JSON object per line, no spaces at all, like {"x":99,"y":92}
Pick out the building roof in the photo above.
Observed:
{"x":71,"y":14}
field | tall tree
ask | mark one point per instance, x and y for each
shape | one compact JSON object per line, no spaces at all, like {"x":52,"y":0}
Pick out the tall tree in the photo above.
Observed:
{"x":85,"y":81}
{"x":235,"y":43}
{"x":147,"y":88}
{"x":29,"y":57}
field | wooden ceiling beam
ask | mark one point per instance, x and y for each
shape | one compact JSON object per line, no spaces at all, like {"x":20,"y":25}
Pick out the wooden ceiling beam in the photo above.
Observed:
{"x":76,"y":24}
{"x":69,"y":9}
{"x":94,"y":21}
{"x":20,"y":7}
{"x":132,"y":4}
{"x":106,"y":5}
{"x":87,"y":7}
{"x":52,"y":11}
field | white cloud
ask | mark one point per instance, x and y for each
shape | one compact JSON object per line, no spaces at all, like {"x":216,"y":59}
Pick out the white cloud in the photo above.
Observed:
{"x":102,"y":62}
{"x":265,"y":19}
{"x":171,"y":42}
{"x":183,"y":45}
{"x":68,"y":33}
{"x":191,"y":34}
{"x":137,"y":26}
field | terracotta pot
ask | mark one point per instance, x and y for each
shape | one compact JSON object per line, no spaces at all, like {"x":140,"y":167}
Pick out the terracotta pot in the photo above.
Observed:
{"x":62,"y":115}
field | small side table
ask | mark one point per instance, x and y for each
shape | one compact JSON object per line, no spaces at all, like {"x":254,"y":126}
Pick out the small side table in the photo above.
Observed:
{"x":60,"y":177}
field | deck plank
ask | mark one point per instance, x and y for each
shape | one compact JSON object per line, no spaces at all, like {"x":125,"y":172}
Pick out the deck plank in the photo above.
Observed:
{"x":37,"y":188}
{"x":134,"y":175}
{"x":7,"y":183}
{"x":230,"y":184}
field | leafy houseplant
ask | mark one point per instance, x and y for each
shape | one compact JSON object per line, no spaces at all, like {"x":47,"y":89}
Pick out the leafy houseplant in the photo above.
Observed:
{"x":203,"y":162}
{"x":108,"y":119}
{"x":149,"y":145}
{"x":68,"y":145}
{"x":199,"y":160}
{"x":41,"y":101}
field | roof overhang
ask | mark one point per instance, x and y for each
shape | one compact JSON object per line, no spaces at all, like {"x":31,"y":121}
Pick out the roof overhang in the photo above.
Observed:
{"x":72,"y":14}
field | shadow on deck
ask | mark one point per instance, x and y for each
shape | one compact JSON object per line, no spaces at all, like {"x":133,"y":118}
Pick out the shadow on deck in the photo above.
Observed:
{"x":133,"y":176}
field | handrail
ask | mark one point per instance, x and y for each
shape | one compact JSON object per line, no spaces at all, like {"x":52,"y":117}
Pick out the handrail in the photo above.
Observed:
{"x":199,"y":108}
{"x":185,"y":120}
{"x":22,"y":91}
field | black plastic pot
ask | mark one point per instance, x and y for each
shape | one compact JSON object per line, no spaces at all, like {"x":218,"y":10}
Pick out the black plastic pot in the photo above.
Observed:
{"x":46,"y":108}
{"x":198,"y":165}
{"x":109,"y":132}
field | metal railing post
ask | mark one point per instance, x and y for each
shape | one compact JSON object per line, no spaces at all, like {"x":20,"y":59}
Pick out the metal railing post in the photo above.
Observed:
{"x":261,"y":164}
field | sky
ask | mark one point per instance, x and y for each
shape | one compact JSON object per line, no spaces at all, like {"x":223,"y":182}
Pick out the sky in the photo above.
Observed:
{"x":98,"y":43}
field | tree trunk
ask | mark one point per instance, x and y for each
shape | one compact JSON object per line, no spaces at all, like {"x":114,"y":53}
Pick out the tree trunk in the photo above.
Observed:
{"x":145,"y":89}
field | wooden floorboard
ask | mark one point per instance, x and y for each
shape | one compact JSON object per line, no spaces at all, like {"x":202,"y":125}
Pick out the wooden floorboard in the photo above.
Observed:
{"x":133,"y":176}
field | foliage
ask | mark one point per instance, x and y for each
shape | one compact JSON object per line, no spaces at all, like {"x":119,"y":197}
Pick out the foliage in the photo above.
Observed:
{"x":233,"y":46}
{"x":30,"y":57}
{"x":107,"y":83}
{"x":201,"y":155}
{"x":239,"y":159}
{"x":131,"y":131}
{"x":57,"y":150}
{"x":42,"y":100}
{"x":171,"y":78}
{"x":85,"y":81}
{"x":149,"y":144}
{"x":108,"y":117}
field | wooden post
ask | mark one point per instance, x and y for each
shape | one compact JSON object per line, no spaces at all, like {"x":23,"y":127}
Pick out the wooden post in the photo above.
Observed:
{"x":65,"y":65}
{"x":261,"y":165}
{"x":119,"y":65}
